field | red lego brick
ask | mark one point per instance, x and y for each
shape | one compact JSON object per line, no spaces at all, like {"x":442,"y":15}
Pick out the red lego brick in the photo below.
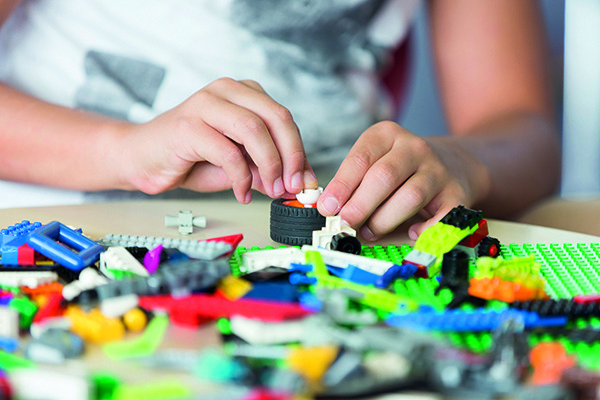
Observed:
{"x":25,"y":255}
{"x":197,"y":308}
{"x":587,"y":298}
{"x":473,"y":240}
{"x":233,"y":240}
{"x":53,"y":308}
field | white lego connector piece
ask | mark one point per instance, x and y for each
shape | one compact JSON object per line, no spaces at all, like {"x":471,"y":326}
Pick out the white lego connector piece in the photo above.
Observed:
{"x":121,"y":259}
{"x":203,"y":250}
{"x":9,"y":322}
{"x":31,"y":279}
{"x":256,"y":260}
{"x":343,"y":260}
{"x":309,"y":197}
{"x":333,"y":226}
{"x":185,"y":221}
{"x":89,"y":278}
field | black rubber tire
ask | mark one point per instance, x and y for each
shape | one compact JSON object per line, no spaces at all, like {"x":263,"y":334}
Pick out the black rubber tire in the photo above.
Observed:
{"x":489,"y":247}
{"x":294,"y":225}
{"x":346,"y":244}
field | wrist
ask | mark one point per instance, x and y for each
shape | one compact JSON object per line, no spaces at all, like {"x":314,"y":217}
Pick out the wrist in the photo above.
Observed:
{"x":116,"y":154}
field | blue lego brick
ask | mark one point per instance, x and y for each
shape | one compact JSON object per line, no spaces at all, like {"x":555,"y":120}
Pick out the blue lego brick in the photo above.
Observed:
{"x":65,"y":246}
{"x":470,"y":321}
{"x":9,"y":344}
{"x":280,"y":291}
{"x":354,"y":274}
{"x":396,"y":272}
{"x":17,"y":234}
{"x":12,"y":238}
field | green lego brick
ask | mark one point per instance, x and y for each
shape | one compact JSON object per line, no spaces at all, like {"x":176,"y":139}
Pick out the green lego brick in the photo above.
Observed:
{"x":569,"y":270}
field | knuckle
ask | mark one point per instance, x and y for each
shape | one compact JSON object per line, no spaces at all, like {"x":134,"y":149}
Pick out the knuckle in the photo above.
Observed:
{"x":296,"y":159}
{"x":232,"y":155}
{"x":272,"y":168}
{"x":253,"y":125}
{"x":224,"y":82}
{"x":362,"y":160}
{"x":282,"y":114}
{"x":200,"y":98}
{"x":415,"y":197}
{"x":385,"y":173}
{"x":420,"y":146}
{"x":252,"y":83}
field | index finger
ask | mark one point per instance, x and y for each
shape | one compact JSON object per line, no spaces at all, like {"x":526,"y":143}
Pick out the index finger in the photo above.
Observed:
{"x":284,"y":132}
{"x":364,"y":154}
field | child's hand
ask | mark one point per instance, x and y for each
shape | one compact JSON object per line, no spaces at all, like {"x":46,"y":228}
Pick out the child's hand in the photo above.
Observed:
{"x":391,"y":174}
{"x":230,"y":134}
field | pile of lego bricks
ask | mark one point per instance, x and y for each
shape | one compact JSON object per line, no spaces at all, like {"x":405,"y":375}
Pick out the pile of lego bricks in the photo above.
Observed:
{"x":297,"y":327}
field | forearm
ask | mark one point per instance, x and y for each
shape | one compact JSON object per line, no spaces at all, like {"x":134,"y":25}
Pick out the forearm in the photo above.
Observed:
{"x":56,"y":146}
{"x":507,"y":163}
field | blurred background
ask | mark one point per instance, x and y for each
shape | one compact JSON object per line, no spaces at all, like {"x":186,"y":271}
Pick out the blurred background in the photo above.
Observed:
{"x":422,"y":112}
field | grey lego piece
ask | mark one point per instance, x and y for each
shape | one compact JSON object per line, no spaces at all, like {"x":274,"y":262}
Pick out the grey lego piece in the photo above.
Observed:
{"x":179,"y":278}
{"x":185,"y":221}
{"x":203,"y":250}
{"x":54,"y":346}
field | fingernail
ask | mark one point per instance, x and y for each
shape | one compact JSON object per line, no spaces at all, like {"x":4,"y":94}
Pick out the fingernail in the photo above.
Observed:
{"x":366,"y":233}
{"x":297,"y":182}
{"x":248,"y":197}
{"x":330,"y":204}
{"x":310,"y":180}
{"x":412,"y":234}
{"x":278,"y":188}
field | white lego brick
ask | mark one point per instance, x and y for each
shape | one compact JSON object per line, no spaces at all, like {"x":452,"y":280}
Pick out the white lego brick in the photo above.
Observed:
{"x":420,"y":258}
{"x":333,"y":226}
{"x":89,"y":278}
{"x":121,"y":259}
{"x":30,"y":279}
{"x":9,"y":322}
{"x":256,"y":260}
{"x":343,"y":260}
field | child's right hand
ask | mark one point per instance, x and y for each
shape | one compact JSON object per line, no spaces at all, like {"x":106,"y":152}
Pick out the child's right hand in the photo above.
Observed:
{"x":230,"y":134}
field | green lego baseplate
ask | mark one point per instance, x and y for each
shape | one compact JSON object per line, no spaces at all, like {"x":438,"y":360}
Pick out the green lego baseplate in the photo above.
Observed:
{"x":569,"y":270}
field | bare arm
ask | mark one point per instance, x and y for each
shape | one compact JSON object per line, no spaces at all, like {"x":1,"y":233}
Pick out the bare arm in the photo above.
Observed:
{"x":230,"y":134}
{"x":503,"y":151}
{"x":492,"y":66}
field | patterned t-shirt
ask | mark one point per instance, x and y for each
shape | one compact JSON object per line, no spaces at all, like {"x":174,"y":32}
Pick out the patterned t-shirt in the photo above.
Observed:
{"x":134,"y":59}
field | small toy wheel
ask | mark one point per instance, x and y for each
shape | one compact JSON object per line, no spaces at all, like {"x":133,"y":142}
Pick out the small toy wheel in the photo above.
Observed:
{"x":346,"y":243}
{"x":292,"y":223}
{"x":489,"y":247}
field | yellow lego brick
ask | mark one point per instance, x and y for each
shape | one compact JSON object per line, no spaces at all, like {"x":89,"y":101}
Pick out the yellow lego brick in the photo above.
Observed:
{"x":94,"y":326}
